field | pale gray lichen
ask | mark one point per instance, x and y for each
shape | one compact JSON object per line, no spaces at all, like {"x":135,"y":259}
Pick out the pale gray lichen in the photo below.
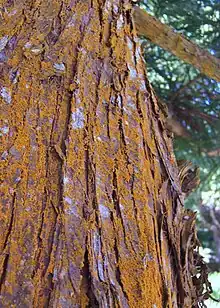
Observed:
{"x":3,"y":42}
{"x":78,"y":118}
{"x":59,"y":67}
{"x":104,"y":211}
{"x":6,"y":95}
{"x":28,"y":45}
{"x":4,"y":130}
{"x":68,"y":200}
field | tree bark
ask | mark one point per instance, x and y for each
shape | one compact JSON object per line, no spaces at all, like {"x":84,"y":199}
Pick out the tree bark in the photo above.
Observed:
{"x":176,"y":43}
{"x":91,"y":205}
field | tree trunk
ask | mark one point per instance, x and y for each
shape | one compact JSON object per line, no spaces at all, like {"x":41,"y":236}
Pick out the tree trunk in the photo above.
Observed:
{"x":91,"y":205}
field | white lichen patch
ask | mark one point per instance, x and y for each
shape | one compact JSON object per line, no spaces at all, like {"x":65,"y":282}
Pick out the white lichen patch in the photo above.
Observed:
{"x":4,"y":130}
{"x":119,"y":102}
{"x":96,"y":242}
{"x":59,"y":67}
{"x":107,"y":6}
{"x":28,"y":45}
{"x":101,"y":269}
{"x":68,"y":200}
{"x":130,"y":44}
{"x":71,"y":209}
{"x":138,"y":52}
{"x":98,"y":138}
{"x":4,"y":155}
{"x":115,"y":8}
{"x":36,"y":50}
{"x":148,"y":257}
{"x":77,"y":118}
{"x":3,"y":42}
{"x":17,"y":180}
{"x":3,"y":56}
{"x":121,"y":207}
{"x":65,"y":180}
{"x":133,"y":72}
{"x":130,"y":103}
{"x":6,"y":95}
{"x":120,"y":22}
{"x":14,"y":75}
{"x":104,"y":211}
{"x":72,"y":22}
{"x":142,"y":85}
{"x":13,"y":12}
{"x":131,"y":62}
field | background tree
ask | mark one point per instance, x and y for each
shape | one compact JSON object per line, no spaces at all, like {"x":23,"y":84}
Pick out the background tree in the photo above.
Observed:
{"x":194,"y":104}
{"x":91,"y":205}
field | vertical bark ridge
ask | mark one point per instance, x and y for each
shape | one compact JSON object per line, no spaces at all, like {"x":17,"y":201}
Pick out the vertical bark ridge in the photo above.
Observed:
{"x":87,"y":157}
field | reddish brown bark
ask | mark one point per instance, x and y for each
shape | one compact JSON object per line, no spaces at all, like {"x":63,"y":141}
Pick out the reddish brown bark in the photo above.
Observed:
{"x":91,"y":206}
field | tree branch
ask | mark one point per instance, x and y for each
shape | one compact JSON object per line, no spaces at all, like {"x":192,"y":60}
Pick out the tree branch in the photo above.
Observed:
{"x":214,"y":153}
{"x":183,"y":88}
{"x":166,"y":37}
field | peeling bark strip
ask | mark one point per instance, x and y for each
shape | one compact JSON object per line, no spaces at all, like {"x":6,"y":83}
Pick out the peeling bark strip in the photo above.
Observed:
{"x":176,"y":43}
{"x":91,"y":209}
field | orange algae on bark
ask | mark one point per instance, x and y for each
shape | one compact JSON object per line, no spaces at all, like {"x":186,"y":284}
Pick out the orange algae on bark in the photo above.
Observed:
{"x":90,"y":205}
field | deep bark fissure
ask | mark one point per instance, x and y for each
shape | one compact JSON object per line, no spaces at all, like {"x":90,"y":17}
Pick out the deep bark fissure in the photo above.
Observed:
{"x":176,"y":265}
{"x":51,"y":288}
{"x":63,"y":146}
{"x":55,"y":245}
{"x":114,"y":193}
{"x":146,"y":149}
{"x":4,"y":271}
{"x":123,"y":142}
{"x":45,"y":200}
{"x":107,"y":120}
{"x":133,"y":200}
{"x":169,"y":171}
{"x":158,"y":238}
{"x":11,"y":222}
{"x":118,"y":272}
{"x":50,"y":248}
{"x":90,"y":202}
{"x":39,"y":246}
{"x":67,"y":99}
{"x":116,"y":203}
{"x":87,"y":280}
{"x":55,"y":36}
{"x":100,"y":9}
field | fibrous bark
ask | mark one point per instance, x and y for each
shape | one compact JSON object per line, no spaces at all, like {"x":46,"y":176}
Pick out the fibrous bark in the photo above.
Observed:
{"x":176,"y":43}
{"x":91,"y":206}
